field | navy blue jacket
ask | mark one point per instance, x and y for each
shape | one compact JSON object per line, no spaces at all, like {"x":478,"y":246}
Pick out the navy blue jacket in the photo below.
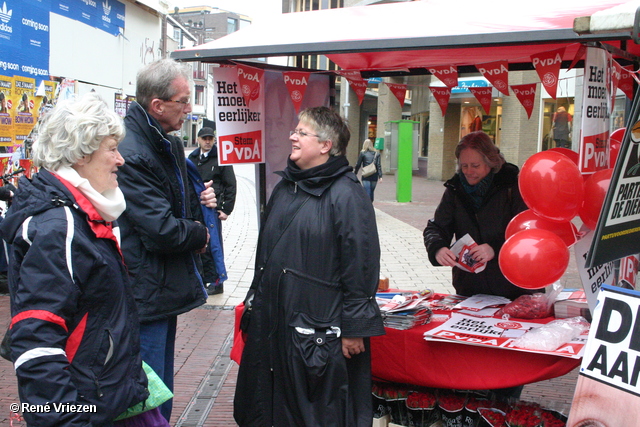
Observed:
{"x":74,"y":326}
{"x":159,"y":235}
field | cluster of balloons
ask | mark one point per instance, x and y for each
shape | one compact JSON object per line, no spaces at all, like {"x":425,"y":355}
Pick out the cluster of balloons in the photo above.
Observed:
{"x":536,"y":252}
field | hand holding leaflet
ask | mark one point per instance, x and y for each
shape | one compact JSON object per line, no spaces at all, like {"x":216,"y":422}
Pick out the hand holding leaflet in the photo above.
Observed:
{"x":465,"y":260}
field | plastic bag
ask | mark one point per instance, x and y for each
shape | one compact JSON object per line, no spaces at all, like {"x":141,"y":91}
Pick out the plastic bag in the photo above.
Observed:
{"x":551,"y":336}
{"x":534,"y":306}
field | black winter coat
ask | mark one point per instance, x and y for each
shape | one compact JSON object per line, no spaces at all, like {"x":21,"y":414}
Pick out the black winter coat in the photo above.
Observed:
{"x":74,"y":322}
{"x":317,"y":272}
{"x":159,"y":236}
{"x":366,"y":158}
{"x":223,"y":177}
{"x":455,"y":216}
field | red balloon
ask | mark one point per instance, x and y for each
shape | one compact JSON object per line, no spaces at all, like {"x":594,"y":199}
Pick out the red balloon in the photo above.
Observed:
{"x":573,"y":155}
{"x":528,"y":219}
{"x":551,"y":185}
{"x":534,"y":258}
{"x":595,"y":190}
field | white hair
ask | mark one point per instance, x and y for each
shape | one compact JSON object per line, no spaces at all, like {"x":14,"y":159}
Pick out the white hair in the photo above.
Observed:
{"x":74,"y":129}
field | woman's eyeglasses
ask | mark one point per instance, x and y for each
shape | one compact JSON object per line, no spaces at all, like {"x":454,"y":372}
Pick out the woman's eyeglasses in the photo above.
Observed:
{"x":302,"y":133}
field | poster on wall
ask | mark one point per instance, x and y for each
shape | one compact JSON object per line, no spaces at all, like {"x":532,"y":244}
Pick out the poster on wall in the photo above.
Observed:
{"x":617,"y":233}
{"x":593,"y":153}
{"x":239,"y":119}
{"x":24,"y":112}
{"x":608,"y":391}
{"x":24,"y":38}
{"x":6,"y":116}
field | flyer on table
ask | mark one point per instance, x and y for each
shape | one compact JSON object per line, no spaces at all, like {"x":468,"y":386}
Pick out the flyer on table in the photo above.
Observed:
{"x":239,"y":114}
{"x":497,"y":333}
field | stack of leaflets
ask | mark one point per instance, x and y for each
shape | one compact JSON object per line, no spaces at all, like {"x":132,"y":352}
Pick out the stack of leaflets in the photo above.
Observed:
{"x":404,"y":310}
{"x":571,"y":303}
{"x":481,"y":305}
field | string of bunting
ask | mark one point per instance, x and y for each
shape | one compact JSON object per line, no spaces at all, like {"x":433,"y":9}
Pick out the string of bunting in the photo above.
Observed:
{"x":547,"y":65}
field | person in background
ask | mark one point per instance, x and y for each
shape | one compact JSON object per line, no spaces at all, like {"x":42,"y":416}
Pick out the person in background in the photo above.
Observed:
{"x":562,"y":128}
{"x":306,"y":361}
{"x":205,"y":157}
{"x":74,"y":326}
{"x":480,"y":200}
{"x":161,"y":242}
{"x":369,"y":155}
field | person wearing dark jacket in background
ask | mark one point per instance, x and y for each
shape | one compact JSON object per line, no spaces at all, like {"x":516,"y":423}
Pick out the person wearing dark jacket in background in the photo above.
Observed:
{"x":205,"y":157}
{"x":160,"y":241}
{"x":367,"y":156}
{"x":74,"y":326}
{"x":480,"y":199}
{"x":307,"y":358}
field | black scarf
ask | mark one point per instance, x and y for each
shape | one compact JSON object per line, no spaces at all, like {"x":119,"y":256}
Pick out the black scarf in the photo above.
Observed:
{"x":479,"y":191}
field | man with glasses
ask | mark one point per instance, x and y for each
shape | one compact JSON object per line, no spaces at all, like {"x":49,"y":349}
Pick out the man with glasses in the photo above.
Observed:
{"x":161,"y":242}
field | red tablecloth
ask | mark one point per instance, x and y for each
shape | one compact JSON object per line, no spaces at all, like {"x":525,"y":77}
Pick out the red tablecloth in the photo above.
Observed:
{"x":405,"y":357}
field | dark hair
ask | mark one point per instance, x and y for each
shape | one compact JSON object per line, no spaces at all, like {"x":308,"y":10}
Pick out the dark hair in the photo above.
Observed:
{"x":483,"y":144}
{"x":328,"y":124}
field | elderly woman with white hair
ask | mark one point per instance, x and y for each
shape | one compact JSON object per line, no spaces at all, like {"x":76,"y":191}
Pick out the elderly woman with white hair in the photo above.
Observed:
{"x":74,"y":326}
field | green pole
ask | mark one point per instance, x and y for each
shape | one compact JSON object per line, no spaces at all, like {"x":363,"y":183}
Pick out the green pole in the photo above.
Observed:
{"x":405,"y":167}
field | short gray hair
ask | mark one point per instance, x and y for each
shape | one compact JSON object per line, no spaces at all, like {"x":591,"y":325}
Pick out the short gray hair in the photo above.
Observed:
{"x":155,"y":81}
{"x":74,"y":129}
{"x":328,"y":124}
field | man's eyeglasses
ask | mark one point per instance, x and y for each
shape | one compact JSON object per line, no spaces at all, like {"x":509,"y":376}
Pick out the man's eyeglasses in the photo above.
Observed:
{"x":302,"y":133}
{"x":178,"y":101}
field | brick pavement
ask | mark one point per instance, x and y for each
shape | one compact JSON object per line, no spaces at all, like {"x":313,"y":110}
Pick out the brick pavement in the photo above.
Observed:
{"x":205,"y":376}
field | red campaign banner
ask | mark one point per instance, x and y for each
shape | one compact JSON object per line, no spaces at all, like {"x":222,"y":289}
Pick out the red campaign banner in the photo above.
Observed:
{"x":447,"y":74}
{"x":399,"y":90}
{"x":359,"y":87}
{"x":579,"y":55}
{"x":626,"y":81}
{"x":483,"y":95}
{"x":249,"y":79}
{"x":547,"y":64}
{"x":244,"y":147}
{"x":351,"y":75}
{"x":497,"y":73}
{"x":442,"y":95}
{"x":526,"y":95}
{"x":296,"y":82}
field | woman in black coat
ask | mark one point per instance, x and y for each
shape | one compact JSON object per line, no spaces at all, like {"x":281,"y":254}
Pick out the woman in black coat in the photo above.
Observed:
{"x":367,"y":156}
{"x":306,"y":361}
{"x":480,"y":199}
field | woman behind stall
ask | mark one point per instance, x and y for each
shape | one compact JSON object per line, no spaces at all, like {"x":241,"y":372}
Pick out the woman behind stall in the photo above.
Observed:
{"x":480,"y":199}
{"x":369,"y":155}
{"x":74,"y":326}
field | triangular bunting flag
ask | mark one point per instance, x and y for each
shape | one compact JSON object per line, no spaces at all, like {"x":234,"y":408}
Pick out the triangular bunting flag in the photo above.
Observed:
{"x":497,"y":73}
{"x":483,"y":95}
{"x":399,"y":90}
{"x":547,"y":64}
{"x":626,"y":82}
{"x":616,"y":76}
{"x":296,"y":82}
{"x":359,"y":87}
{"x":442,"y":95}
{"x":249,"y":79}
{"x":447,"y":74}
{"x":351,"y":75}
{"x":526,"y":95}
{"x":579,"y":55}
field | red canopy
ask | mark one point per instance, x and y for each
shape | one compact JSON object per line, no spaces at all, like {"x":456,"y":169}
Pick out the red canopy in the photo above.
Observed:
{"x":417,"y":34}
